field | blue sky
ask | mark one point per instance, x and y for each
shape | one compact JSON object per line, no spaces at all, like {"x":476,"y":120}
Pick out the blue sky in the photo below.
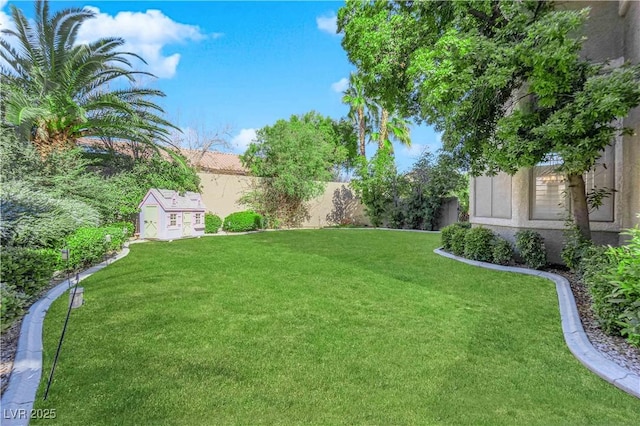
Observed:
{"x":234,"y":66}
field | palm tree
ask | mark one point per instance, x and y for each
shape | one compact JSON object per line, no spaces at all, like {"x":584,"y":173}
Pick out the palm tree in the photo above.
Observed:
{"x":393,"y":126}
{"x":359,"y":108}
{"x":56,"y":91}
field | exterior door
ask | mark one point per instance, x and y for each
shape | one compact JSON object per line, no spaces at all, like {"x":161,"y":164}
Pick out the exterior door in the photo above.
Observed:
{"x":150,"y":222}
{"x":186,"y":224}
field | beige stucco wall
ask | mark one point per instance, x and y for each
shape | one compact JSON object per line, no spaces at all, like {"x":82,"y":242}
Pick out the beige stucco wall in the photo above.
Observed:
{"x":610,"y":36}
{"x":221,"y":194}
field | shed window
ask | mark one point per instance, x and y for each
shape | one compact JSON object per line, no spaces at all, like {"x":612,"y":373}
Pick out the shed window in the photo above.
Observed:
{"x":198,"y":220}
{"x":173,"y":219}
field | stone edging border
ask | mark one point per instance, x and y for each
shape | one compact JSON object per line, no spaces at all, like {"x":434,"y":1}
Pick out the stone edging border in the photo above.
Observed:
{"x":18,"y":398}
{"x":574,"y":334}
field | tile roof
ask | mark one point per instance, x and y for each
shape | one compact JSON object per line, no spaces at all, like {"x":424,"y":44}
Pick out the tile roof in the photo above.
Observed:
{"x":210,"y":161}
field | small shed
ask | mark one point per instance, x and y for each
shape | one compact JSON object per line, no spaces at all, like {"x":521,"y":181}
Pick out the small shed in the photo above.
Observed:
{"x":167,"y":215}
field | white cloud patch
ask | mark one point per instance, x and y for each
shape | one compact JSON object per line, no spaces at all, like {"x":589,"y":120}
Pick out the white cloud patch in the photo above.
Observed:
{"x":241,"y":141}
{"x":328,"y":23}
{"x":145,"y":34}
{"x":416,"y":149}
{"x":340,"y":85}
{"x":5,"y":20}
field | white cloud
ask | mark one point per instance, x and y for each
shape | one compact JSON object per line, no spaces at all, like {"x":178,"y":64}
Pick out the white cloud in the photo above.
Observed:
{"x":145,"y":34}
{"x":241,"y":141}
{"x":416,"y":149}
{"x":328,"y":24}
{"x":5,"y":19}
{"x":340,"y":85}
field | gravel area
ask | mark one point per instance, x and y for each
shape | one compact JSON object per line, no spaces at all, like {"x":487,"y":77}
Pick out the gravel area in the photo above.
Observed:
{"x":614,"y":348}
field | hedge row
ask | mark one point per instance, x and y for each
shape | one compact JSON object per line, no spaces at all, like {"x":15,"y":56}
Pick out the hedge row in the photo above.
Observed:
{"x":482,"y":244}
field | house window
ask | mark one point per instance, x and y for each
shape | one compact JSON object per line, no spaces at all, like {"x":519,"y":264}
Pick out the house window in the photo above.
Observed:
{"x":197,"y":219}
{"x":493,"y":196}
{"x":550,"y":198}
{"x":173,"y":219}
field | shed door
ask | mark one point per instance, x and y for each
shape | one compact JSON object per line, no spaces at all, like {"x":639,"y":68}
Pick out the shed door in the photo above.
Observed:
{"x":186,"y":224}
{"x":151,"y":222}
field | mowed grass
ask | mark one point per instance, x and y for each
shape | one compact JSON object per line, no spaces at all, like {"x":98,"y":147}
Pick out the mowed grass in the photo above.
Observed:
{"x":318,"y":326}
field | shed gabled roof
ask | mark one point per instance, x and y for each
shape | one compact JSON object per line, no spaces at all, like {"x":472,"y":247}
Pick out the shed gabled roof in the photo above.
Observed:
{"x":172,"y":201}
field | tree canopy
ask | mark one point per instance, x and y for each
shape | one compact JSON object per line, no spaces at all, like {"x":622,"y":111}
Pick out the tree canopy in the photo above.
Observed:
{"x":294,"y":158}
{"x":56,"y":90}
{"x":505,"y":81}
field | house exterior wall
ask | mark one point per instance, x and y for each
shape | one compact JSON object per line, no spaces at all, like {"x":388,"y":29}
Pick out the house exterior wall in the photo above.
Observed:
{"x":221,"y":194}
{"x":614,"y":37}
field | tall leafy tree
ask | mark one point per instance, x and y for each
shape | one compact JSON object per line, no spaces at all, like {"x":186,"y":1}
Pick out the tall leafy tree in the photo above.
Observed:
{"x":294,"y":158}
{"x":56,"y":90}
{"x":359,"y":109}
{"x":503,"y":80}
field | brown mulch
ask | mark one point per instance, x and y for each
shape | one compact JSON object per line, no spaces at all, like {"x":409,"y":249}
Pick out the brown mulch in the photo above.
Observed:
{"x":614,"y":348}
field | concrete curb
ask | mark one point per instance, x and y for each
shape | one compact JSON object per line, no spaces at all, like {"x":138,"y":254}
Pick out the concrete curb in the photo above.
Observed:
{"x":574,"y":334}
{"x":20,"y":394}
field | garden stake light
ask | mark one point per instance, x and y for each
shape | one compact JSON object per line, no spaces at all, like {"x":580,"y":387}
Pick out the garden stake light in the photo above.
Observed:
{"x":65,"y":256}
{"x":107,"y":238}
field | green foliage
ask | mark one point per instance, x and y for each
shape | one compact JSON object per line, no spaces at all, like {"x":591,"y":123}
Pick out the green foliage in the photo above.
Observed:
{"x":596,"y":266}
{"x":293,"y":159}
{"x":504,"y":81}
{"x":36,"y":218}
{"x":448,"y":232}
{"x":56,"y":89}
{"x":12,"y":304}
{"x":413,"y":200}
{"x":212,"y":223}
{"x":458,"y":238}
{"x":530,"y":247}
{"x":127,"y":228}
{"x":478,"y":244}
{"x":502,"y":251}
{"x":26,"y":270}
{"x":243,"y":222}
{"x":89,"y":245}
{"x":625,"y":279}
{"x":575,"y":246}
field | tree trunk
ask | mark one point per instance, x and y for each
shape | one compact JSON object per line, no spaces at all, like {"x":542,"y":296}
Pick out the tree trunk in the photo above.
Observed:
{"x":384,"y":133}
{"x":579,"y":206}
{"x":363,"y":128}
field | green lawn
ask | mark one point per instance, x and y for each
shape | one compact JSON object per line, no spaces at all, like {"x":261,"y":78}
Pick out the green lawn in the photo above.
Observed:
{"x":324,"y":327}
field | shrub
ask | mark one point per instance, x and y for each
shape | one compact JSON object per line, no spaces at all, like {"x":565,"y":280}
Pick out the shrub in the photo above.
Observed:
{"x":88,"y":246}
{"x":596,"y":266}
{"x":625,"y":279}
{"x":12,"y":304}
{"x":242,"y":222}
{"x":128,"y":227}
{"x":448,"y":231}
{"x":478,"y":244}
{"x":458,"y":240}
{"x":212,"y":223}
{"x":530,"y":246}
{"x":575,"y":246}
{"x":502,"y":251}
{"x":26,"y":270}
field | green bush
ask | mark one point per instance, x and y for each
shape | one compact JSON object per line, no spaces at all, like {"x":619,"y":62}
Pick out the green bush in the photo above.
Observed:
{"x":502,"y":251}
{"x":27,"y":270}
{"x":242,"y":222}
{"x":212,"y":223}
{"x":530,"y":246}
{"x":88,"y":246}
{"x":478,"y":244}
{"x":126,"y":228}
{"x":596,"y":266}
{"x":458,"y":240}
{"x":625,"y":278}
{"x":12,"y":304}
{"x":575,"y":246}
{"x":448,"y":231}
